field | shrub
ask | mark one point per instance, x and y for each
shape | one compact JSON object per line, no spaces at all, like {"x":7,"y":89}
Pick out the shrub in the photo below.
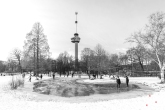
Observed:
{"x":16,"y":82}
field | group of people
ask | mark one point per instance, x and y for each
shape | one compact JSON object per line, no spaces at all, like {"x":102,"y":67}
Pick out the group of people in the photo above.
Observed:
{"x":30,"y":76}
{"x":118,"y":81}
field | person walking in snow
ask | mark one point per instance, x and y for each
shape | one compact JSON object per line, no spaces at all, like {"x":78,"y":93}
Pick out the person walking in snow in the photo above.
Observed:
{"x":53,"y":75}
{"x":118,"y":82}
{"x":30,"y":77}
{"x":127,"y":80}
{"x":41,"y":76}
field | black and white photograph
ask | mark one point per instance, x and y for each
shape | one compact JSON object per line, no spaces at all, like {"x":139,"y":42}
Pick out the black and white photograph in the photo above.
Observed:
{"x":82,"y":54}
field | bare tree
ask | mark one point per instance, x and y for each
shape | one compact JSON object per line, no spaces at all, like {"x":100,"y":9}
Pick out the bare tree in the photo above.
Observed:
{"x":114,"y":61}
{"x":64,"y":63}
{"x":100,"y":55}
{"x":123,"y":58}
{"x":36,"y":45}
{"x":15,"y":58}
{"x":154,"y":39}
{"x":85,"y":57}
{"x":11,"y":65}
{"x":2,"y":66}
{"x":17,"y":54}
{"x":137,"y":55}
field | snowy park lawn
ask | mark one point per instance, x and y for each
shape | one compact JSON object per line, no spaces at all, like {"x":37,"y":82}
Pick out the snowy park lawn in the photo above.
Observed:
{"x":80,"y":89}
{"x":25,"y":98}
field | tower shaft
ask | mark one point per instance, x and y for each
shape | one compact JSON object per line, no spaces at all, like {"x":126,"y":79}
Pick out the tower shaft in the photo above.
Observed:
{"x":76,"y":56}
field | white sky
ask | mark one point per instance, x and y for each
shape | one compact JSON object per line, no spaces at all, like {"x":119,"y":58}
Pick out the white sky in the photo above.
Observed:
{"x":107,"y":22}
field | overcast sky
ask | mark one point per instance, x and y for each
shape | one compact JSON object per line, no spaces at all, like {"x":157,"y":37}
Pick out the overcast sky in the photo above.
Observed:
{"x":107,"y":22}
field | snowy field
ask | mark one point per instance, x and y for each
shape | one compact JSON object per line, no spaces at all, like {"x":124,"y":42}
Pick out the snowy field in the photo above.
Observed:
{"x":11,"y":100}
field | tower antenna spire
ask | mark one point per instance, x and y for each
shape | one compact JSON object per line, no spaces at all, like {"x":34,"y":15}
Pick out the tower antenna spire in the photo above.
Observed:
{"x":76,"y":21}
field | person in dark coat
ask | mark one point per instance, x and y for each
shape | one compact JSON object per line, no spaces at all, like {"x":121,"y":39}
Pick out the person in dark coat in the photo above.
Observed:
{"x":127,"y":80}
{"x":94,"y":76}
{"x":118,"y":82}
{"x":30,"y":77}
{"x":41,"y":76}
{"x":23,"y":75}
{"x":53,"y":75}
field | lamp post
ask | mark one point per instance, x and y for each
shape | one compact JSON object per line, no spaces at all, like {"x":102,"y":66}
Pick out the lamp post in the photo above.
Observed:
{"x":76,"y":40}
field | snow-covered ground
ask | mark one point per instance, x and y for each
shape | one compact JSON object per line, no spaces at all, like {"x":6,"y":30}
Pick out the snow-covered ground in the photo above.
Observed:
{"x":10,"y":100}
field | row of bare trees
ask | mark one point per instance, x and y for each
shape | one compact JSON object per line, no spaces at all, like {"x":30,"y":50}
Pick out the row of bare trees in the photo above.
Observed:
{"x":35,"y":56}
{"x":101,"y":61}
{"x":94,"y":60}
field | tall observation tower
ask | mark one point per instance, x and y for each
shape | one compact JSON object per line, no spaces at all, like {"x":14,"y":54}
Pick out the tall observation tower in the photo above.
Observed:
{"x":76,"y":40}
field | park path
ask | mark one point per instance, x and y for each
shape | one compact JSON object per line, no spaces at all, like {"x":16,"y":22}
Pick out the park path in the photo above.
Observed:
{"x":9,"y":102}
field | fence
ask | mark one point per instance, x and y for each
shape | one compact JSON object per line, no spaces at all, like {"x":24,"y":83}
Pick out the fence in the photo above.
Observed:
{"x":145,"y":73}
{"x":138,"y":73}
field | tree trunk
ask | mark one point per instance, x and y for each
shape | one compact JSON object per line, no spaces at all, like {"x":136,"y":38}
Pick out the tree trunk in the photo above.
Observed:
{"x":141,"y":64}
{"x":162,"y":75}
{"x":88,"y":73}
{"x":68,"y":74}
{"x":72,"y":74}
{"x":79,"y":74}
{"x":37,"y":58}
{"x":34,"y":63}
{"x":60,"y":73}
{"x":20,"y":67}
{"x":97,"y":74}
